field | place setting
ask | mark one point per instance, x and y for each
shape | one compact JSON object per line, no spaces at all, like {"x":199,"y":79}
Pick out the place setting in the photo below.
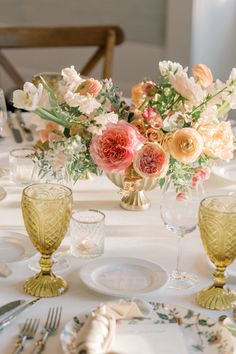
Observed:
{"x":84,"y":292}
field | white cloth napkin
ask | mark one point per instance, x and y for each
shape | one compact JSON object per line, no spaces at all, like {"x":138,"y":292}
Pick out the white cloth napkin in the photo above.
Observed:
{"x":96,"y":335}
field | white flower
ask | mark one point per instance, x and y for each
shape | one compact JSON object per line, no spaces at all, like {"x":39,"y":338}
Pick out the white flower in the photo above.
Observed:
{"x":28,"y":98}
{"x":232,"y":77}
{"x":166,"y":67}
{"x":106,"y":118}
{"x":86,"y":104}
{"x":95,"y":130}
{"x":209,"y":115}
{"x":71,"y":77}
{"x":187,"y":87}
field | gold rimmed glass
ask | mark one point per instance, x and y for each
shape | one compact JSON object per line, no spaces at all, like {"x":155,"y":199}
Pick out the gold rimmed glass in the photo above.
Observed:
{"x":46,"y":210}
{"x":217,"y":223}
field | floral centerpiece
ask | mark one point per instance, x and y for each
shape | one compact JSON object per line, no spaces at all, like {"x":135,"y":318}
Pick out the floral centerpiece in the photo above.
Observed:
{"x":173,"y":127}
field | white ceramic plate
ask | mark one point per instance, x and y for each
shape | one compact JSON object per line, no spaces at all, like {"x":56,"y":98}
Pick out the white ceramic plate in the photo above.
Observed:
{"x":201,"y":333}
{"x":123,"y":276}
{"x":15,"y":247}
{"x":226,"y":170}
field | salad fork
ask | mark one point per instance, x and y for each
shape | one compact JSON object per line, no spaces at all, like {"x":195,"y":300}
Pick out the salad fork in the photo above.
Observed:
{"x":28,"y":331}
{"x":50,"y":328}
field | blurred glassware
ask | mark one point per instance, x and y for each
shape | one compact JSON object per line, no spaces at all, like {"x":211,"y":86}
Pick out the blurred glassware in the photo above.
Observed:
{"x":179,"y":213}
{"x":87,"y":233}
{"x":3,"y":113}
{"x":217,"y":223}
{"x":21,"y":165}
{"x":46,"y":210}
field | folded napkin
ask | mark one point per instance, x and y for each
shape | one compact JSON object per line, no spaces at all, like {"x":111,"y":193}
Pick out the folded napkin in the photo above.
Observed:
{"x":96,"y":335}
{"x":5,"y":271}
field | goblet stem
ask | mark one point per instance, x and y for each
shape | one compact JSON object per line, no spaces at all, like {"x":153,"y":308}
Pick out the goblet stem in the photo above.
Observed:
{"x":45,"y":264}
{"x":219,"y":276}
{"x":179,"y":254}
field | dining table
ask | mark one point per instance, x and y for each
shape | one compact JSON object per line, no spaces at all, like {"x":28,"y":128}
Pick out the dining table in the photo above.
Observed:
{"x":138,"y":234}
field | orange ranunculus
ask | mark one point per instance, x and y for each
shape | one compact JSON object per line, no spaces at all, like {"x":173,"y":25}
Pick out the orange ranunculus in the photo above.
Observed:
{"x":137,"y":94}
{"x":218,"y":140}
{"x":186,"y":145}
{"x":203,"y":75}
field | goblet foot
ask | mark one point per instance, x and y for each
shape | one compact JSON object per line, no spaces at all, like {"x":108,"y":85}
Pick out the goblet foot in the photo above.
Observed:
{"x":182,"y":280}
{"x":135,"y":201}
{"x":45,"y":285}
{"x":216,"y":298}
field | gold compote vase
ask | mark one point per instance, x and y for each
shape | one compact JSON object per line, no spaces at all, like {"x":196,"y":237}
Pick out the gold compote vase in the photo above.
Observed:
{"x":133,"y":187}
{"x":217,"y":223}
{"x":46,"y":210}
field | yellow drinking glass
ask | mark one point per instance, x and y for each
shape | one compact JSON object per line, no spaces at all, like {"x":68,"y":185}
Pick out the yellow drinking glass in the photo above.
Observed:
{"x":217,"y":223}
{"x":46,"y":210}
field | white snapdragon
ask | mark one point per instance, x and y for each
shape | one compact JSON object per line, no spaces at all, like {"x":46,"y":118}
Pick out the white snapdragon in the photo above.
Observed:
{"x":107,"y":118}
{"x":28,"y":98}
{"x":167,"y":67}
{"x":71,"y":77}
{"x":86,"y":104}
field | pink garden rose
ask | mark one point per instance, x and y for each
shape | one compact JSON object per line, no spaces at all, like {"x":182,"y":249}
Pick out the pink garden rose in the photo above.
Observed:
{"x":151,"y":161}
{"x":115,"y":148}
{"x":89,"y":86}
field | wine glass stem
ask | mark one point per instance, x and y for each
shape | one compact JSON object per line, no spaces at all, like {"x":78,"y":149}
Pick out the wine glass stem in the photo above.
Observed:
{"x":179,"y":254}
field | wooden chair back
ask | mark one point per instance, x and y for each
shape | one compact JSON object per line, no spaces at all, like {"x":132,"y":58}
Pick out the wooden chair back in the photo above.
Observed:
{"x":103,"y":37}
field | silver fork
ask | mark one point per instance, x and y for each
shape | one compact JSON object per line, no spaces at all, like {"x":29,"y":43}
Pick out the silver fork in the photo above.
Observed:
{"x":28,"y":332}
{"x":50,"y":328}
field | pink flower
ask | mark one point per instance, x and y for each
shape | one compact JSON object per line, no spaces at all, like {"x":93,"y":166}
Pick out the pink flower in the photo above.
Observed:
{"x":89,"y":86}
{"x":60,"y":159}
{"x":115,"y":148}
{"x":50,"y":132}
{"x":181,"y":196}
{"x":147,"y":88}
{"x":151,"y":161}
{"x":152,"y":117}
{"x":201,"y":175}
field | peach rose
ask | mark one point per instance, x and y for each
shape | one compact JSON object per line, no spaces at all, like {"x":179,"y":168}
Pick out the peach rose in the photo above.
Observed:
{"x":151,"y":161}
{"x":166,"y":140}
{"x":139,"y":124}
{"x":89,"y":86}
{"x":186,"y":145}
{"x":218,"y":140}
{"x":115,"y":148}
{"x":154,"y":135}
{"x":137,"y":94}
{"x":203,"y":75}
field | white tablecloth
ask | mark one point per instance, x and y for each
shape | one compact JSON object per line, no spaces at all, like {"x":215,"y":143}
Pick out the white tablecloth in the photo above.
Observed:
{"x":136,"y":234}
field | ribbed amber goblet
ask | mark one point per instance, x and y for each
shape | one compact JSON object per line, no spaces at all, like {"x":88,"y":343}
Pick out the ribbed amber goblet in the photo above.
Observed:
{"x":217,"y":223}
{"x":46,"y":210}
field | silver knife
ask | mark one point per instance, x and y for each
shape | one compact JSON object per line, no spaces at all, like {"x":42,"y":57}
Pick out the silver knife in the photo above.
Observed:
{"x":10,"y":306}
{"x":11,"y":317}
{"x":27,"y":132}
{"x":15,"y":132}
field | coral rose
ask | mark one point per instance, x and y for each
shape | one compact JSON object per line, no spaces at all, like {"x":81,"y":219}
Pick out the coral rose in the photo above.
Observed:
{"x":89,"y":86}
{"x":186,"y":145}
{"x":151,"y":161}
{"x":202,"y":74}
{"x":115,"y":148}
{"x":218,"y":140}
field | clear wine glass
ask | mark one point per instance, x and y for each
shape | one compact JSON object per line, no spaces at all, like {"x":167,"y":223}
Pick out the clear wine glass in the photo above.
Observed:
{"x":179,"y":212}
{"x":3,"y":113}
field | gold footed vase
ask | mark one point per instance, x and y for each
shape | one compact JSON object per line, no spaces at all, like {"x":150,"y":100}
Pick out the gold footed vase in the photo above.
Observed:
{"x":133,"y":198}
{"x":46,"y":210}
{"x":217,"y":223}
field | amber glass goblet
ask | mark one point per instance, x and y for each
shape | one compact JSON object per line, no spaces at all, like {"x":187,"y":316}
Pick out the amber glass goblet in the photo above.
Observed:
{"x":46,"y":210}
{"x":217,"y":223}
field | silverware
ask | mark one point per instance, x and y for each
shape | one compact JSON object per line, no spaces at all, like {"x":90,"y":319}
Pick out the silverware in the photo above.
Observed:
{"x":50,"y":328}
{"x":27,"y":332}
{"x":10,"y":306}
{"x":15,"y":132}
{"x":27,"y":132}
{"x":11,"y":317}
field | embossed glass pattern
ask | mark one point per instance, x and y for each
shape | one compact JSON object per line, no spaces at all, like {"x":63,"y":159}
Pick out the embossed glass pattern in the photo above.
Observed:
{"x":217,"y":223}
{"x":46,"y":210}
